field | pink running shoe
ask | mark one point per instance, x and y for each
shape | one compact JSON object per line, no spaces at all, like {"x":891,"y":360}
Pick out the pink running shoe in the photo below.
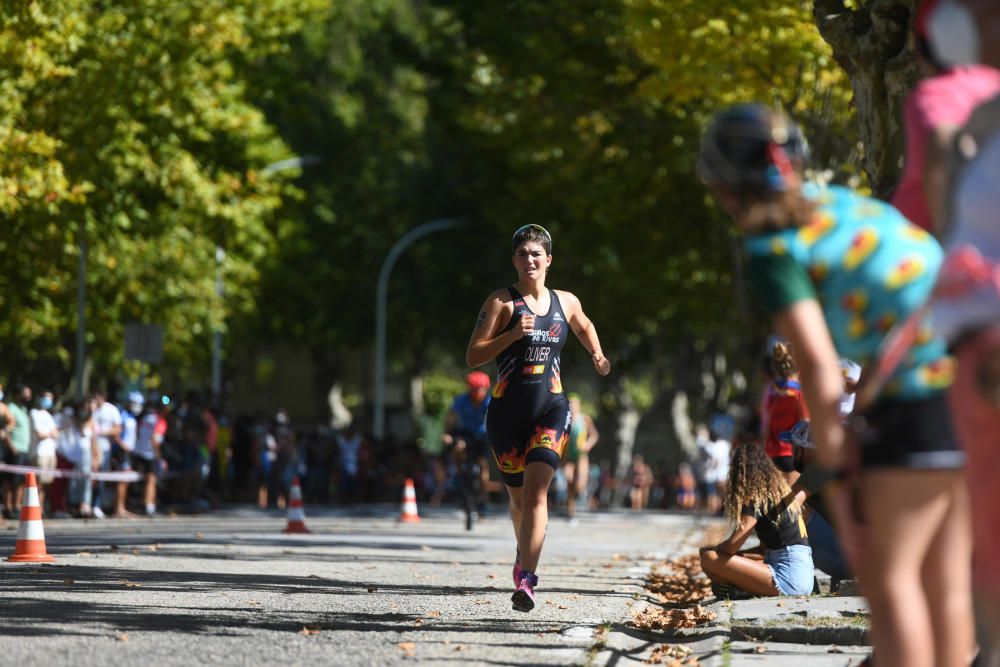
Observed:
{"x":517,"y":568}
{"x":523,"y":598}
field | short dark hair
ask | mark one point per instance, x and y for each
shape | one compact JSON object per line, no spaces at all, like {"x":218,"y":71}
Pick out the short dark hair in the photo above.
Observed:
{"x":535,"y":233}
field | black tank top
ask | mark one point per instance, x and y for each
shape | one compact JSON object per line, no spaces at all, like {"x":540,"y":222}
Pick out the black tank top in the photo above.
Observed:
{"x":528,"y":371}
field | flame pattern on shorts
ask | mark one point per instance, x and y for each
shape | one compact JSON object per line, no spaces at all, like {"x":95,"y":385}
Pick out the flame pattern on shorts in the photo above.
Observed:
{"x":548,"y":438}
{"x":511,"y":461}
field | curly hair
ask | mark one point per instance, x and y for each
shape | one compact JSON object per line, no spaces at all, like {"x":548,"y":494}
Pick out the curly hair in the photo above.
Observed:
{"x":754,"y":481}
{"x":782,"y":362}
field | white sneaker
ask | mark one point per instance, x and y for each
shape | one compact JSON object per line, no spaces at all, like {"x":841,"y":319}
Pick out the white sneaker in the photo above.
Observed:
{"x":150,"y":510}
{"x":98,"y":513}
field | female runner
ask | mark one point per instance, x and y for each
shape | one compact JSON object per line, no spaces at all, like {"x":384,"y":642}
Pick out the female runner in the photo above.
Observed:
{"x":524,"y":328}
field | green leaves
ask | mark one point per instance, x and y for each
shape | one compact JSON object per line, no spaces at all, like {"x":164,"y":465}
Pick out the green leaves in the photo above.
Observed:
{"x":129,"y":125}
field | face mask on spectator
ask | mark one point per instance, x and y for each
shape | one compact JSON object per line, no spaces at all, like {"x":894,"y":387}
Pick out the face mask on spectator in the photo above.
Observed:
{"x":953,"y":34}
{"x":45,"y":403}
{"x":135,"y":408}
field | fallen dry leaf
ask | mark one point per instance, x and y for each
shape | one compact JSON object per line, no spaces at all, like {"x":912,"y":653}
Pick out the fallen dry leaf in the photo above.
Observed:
{"x":418,"y":622}
{"x":372,"y":589}
{"x":115,"y":547}
{"x":408,"y":648}
{"x":460,"y":647}
{"x":666,"y":654}
{"x":760,"y":648}
{"x":309,"y":630}
{"x":434,"y":614}
{"x":83,"y":554}
{"x":67,"y":580}
{"x":199,"y":536}
{"x":481,"y":602}
{"x":122,"y":637}
{"x":424,"y":547}
{"x":491,"y":576}
{"x":129,"y":584}
{"x":781,"y":604}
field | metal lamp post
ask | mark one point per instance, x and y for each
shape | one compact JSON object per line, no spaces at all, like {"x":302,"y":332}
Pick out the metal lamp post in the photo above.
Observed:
{"x":381,"y":296}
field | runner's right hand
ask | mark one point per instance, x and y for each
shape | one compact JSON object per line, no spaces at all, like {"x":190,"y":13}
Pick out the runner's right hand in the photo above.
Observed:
{"x":527,"y":325}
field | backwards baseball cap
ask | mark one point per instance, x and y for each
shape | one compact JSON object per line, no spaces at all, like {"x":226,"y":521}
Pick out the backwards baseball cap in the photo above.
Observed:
{"x":136,"y":397}
{"x":751,"y":148}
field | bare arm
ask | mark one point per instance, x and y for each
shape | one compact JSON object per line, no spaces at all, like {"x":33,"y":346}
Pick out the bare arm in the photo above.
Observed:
{"x":487,"y":341}
{"x":803,"y":325}
{"x":731,"y":545}
{"x":585,"y":331}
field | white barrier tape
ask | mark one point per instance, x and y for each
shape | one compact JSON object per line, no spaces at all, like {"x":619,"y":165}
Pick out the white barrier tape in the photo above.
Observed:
{"x":120,"y":476}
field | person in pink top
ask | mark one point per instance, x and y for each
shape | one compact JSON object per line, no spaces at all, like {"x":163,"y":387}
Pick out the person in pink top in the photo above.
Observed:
{"x":936,"y":108}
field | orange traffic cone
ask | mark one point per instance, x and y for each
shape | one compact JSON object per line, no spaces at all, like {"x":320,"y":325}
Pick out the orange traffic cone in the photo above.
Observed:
{"x":296,"y":510}
{"x":409,"y":513}
{"x":30,"y":547}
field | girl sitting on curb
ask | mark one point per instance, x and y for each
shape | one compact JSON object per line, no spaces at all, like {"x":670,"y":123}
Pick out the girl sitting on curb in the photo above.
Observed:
{"x":758,"y":499}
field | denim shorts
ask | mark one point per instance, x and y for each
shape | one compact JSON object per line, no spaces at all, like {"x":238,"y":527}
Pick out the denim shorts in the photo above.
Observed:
{"x":791,"y":569}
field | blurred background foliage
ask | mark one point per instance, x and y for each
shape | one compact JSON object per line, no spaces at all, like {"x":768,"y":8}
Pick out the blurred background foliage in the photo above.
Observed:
{"x":146,"y":129}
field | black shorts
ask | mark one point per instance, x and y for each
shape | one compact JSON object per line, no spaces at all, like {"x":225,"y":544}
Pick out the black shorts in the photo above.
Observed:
{"x":120,"y":458}
{"x":518,"y":439}
{"x":914,"y":434}
{"x":143,"y":466}
{"x":784,"y":463}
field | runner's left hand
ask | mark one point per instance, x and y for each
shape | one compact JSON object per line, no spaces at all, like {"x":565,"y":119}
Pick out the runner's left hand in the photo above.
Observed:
{"x":601,"y":363}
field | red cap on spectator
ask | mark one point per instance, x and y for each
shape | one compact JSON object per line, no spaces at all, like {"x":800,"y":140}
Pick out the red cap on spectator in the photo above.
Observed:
{"x":923,"y":17}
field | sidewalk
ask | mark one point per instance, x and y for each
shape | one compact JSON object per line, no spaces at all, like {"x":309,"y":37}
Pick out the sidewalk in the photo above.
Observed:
{"x":680,"y":624}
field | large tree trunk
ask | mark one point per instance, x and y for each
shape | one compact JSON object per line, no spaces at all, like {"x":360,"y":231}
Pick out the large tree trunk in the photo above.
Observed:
{"x":872,"y":44}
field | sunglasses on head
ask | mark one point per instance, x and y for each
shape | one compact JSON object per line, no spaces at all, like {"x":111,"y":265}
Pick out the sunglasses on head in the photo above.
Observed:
{"x":537,"y":228}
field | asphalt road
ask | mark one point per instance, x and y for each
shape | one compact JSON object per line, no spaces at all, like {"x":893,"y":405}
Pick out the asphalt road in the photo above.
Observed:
{"x":229,"y":588}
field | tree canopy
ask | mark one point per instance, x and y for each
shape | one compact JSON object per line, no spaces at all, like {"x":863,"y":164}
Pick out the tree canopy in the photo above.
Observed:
{"x":145,"y":129}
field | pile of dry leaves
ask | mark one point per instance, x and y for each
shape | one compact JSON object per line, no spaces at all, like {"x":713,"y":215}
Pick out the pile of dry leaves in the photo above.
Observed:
{"x":679,"y":582}
{"x":656,"y":618}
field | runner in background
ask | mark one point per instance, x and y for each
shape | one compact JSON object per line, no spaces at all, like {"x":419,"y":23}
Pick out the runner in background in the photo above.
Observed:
{"x":583,"y":436}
